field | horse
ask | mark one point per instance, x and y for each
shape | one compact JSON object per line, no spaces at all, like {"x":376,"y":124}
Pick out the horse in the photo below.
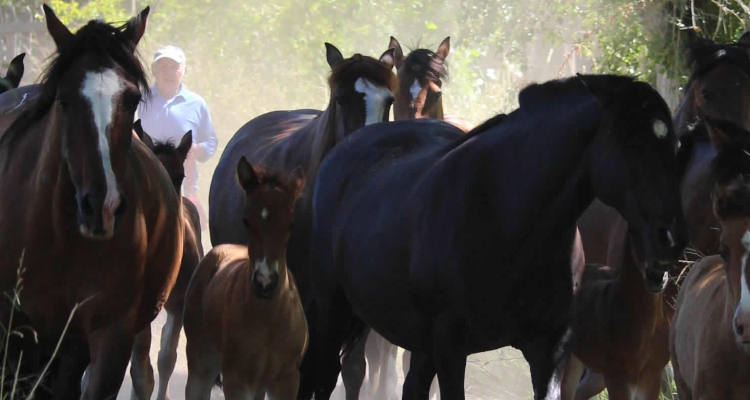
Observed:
{"x":243,"y":314}
{"x":172,"y":158}
{"x":708,"y":334}
{"x":423,"y":232}
{"x":91,"y":210}
{"x":420,"y":76}
{"x":14,"y":74}
{"x":719,"y":85}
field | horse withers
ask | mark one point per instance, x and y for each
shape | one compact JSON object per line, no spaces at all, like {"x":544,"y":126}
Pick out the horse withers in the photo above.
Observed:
{"x":243,"y":314}
{"x":710,"y":331}
{"x":434,"y":238}
{"x":172,"y":158}
{"x":92,"y":211}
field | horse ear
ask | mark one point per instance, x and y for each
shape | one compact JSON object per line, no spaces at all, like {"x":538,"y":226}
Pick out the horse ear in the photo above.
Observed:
{"x":15,"y":70}
{"x":59,"y":32}
{"x":185,"y":145}
{"x":444,"y":48}
{"x":136,"y":27}
{"x":398,"y":53}
{"x":246,"y":175}
{"x":297,"y":179}
{"x":387,"y":58}
{"x":145,"y":138}
{"x":744,"y":39}
{"x":333,"y":55}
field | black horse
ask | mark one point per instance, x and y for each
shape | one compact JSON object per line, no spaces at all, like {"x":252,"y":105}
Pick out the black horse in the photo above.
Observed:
{"x":449,"y":244}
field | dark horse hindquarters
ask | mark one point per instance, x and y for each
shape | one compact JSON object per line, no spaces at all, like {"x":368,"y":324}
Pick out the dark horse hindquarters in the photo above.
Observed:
{"x":432,"y":238}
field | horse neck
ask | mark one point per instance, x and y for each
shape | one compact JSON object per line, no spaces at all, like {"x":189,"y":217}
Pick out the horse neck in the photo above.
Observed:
{"x":324,"y":137}
{"x":631,"y":284}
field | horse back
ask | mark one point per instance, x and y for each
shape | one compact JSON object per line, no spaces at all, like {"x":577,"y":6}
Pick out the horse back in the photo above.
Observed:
{"x":273,"y":139}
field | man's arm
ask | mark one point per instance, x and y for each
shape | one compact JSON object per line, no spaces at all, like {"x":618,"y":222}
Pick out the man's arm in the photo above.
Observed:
{"x":205,"y":141}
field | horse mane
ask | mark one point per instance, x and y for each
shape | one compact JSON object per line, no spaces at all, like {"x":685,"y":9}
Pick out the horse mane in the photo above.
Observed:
{"x":346,"y":73}
{"x":96,"y":37}
{"x":164,"y":147}
{"x":426,"y":64}
{"x":606,"y":88}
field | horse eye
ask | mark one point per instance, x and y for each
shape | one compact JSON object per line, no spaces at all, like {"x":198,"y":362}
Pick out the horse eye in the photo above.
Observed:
{"x":63,"y":102}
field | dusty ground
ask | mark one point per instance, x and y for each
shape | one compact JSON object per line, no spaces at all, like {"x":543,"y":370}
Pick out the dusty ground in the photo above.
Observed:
{"x":495,"y":375}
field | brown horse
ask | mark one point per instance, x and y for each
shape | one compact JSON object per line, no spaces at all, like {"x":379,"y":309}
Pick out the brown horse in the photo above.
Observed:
{"x":172,"y":158}
{"x":710,"y":331}
{"x":14,"y":75}
{"x":420,"y":76}
{"x":243,"y":314}
{"x":362,"y":92}
{"x":719,"y":85}
{"x":91,"y":209}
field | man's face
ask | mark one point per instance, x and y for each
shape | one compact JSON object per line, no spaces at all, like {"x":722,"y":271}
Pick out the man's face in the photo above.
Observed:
{"x":168,"y":74}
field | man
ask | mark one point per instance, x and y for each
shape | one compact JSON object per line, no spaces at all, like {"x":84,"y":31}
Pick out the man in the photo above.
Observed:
{"x":173,"y":111}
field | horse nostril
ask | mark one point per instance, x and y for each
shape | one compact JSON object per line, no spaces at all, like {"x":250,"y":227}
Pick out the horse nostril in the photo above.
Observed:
{"x":739,"y":329}
{"x":87,"y":205}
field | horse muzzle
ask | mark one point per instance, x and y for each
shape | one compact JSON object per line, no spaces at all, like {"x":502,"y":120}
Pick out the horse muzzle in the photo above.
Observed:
{"x":264,"y":285}
{"x":98,"y":217}
{"x":656,"y":275}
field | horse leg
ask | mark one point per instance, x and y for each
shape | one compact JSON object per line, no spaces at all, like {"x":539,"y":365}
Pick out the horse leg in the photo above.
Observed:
{"x":74,"y":361}
{"x":240,"y":387}
{"x":618,"y":388}
{"x":450,"y":363}
{"x":353,"y":368}
{"x":285,"y":388}
{"x":388,"y":377}
{"x":333,"y":315}
{"x":572,"y":370}
{"x":541,"y":355}
{"x":420,"y":374}
{"x":110,"y":350}
{"x":141,"y":371}
{"x":204,"y":366}
{"x":170,"y":338}
{"x":591,"y":385}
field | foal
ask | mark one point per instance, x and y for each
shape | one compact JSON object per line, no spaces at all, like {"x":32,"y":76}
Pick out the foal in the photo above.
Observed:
{"x":172,"y":158}
{"x":710,"y":331}
{"x":243,"y":314}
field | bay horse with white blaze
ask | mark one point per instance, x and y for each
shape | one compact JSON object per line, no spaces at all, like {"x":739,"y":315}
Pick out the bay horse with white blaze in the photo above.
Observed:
{"x":243,"y":314}
{"x":172,"y":158}
{"x":710,"y":331}
{"x":430,"y":236}
{"x":719,"y":85}
{"x":93,"y":212}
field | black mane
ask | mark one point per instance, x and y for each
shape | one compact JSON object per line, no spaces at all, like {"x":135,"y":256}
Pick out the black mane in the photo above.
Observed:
{"x":96,"y":37}
{"x":704,"y":54}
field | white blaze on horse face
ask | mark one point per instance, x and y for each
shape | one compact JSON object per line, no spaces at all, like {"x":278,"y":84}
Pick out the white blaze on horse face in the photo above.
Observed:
{"x":264,"y":214}
{"x":264,"y":271}
{"x":415,"y":89}
{"x":660,"y":129}
{"x":375,"y":100}
{"x":744,"y":306}
{"x":101,"y":90}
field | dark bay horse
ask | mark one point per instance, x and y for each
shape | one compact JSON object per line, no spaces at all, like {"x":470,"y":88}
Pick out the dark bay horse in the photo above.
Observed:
{"x":172,"y":158}
{"x":14,"y":75}
{"x":243,"y":314}
{"x":434,"y":237}
{"x":719,"y":86}
{"x":710,"y":331}
{"x":93,"y":212}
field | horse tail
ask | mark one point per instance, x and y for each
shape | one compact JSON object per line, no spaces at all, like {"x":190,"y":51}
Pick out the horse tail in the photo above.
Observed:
{"x":218,"y":383}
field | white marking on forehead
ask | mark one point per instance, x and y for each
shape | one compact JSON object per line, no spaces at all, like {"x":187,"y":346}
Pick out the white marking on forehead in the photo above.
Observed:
{"x":660,"y":129}
{"x":744,"y":306}
{"x":102,"y":89}
{"x":415,"y":89}
{"x":375,"y":100}
{"x":264,"y":213}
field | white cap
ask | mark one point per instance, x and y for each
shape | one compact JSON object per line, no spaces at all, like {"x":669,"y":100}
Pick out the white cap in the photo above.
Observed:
{"x":170,"y":52}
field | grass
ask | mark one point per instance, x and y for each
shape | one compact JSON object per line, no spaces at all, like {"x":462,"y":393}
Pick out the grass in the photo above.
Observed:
{"x":12,"y":372}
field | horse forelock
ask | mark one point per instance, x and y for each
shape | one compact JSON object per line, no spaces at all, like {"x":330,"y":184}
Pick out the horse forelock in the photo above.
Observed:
{"x":424,"y":64}
{"x":107,"y":43}
{"x":281,"y":179}
{"x":347,"y":72}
